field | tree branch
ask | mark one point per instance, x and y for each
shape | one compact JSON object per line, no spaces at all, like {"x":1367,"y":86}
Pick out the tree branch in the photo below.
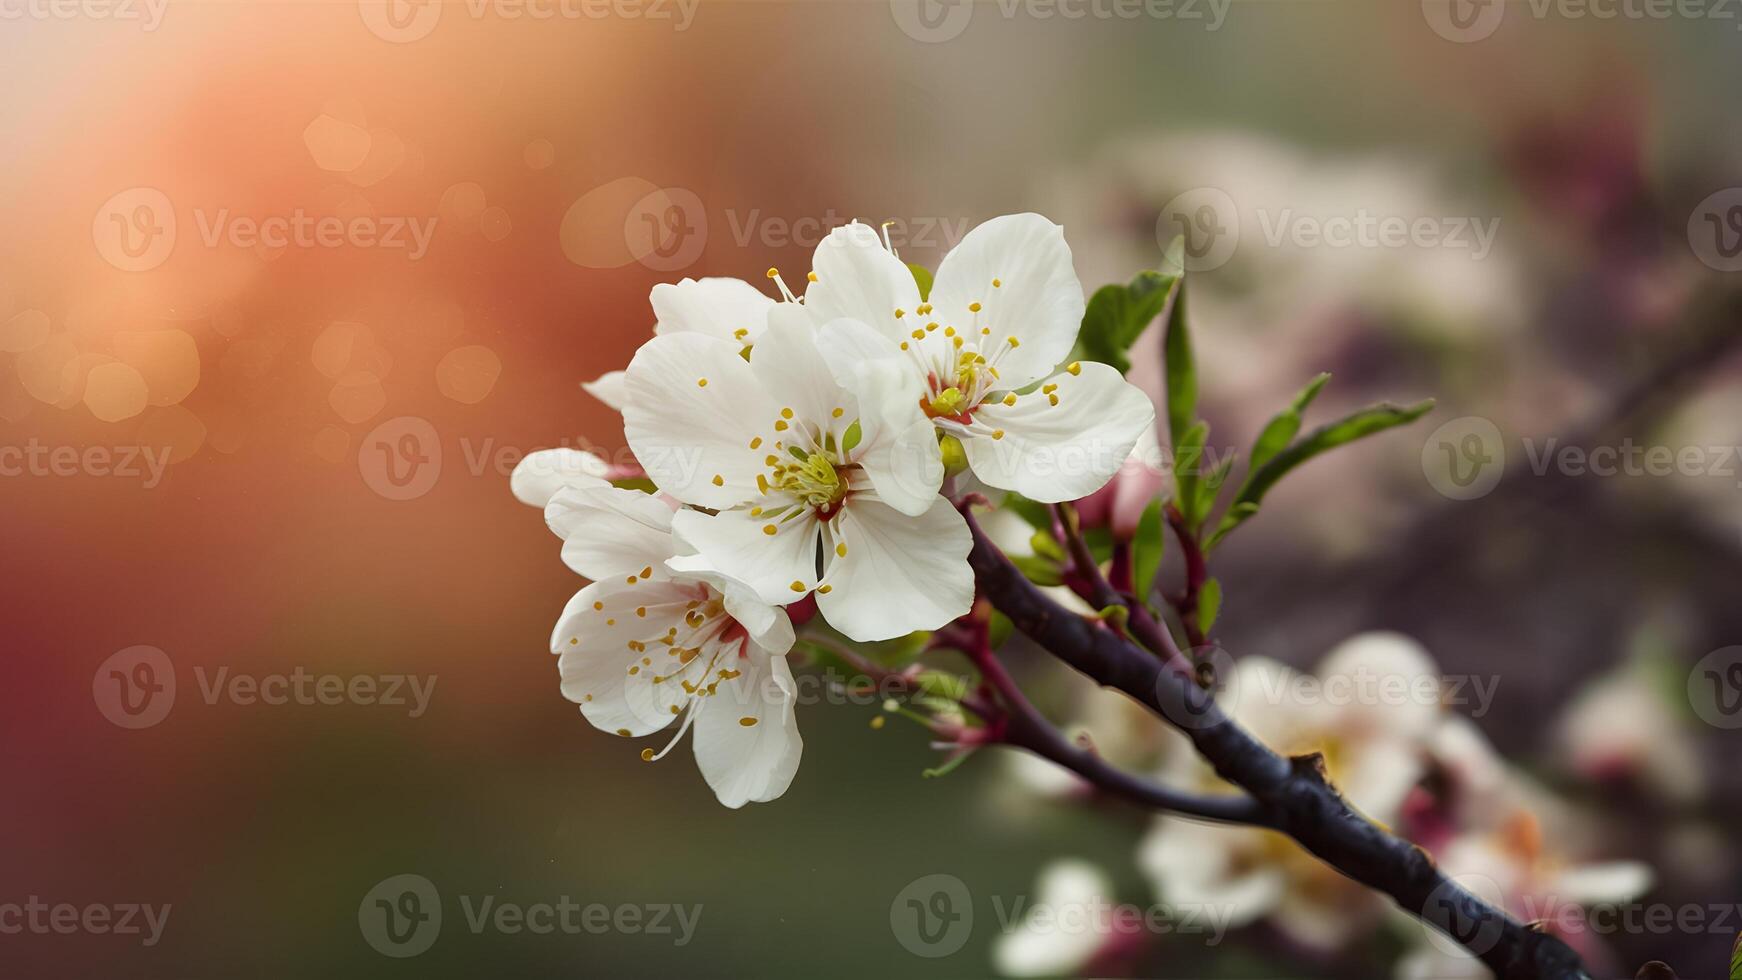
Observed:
{"x":1294,"y":793}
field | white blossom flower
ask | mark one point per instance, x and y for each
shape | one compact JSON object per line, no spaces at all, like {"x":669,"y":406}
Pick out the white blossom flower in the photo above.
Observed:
{"x":1075,"y":916}
{"x":647,"y":644}
{"x":984,"y":354}
{"x":813,"y":487}
{"x":730,"y":309}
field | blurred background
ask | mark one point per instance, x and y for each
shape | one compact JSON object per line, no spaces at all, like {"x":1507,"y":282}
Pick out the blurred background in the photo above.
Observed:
{"x":287,"y":289}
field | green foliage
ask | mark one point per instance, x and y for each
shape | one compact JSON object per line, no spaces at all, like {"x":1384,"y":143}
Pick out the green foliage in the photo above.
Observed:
{"x":1118,"y":315}
{"x":1181,"y":365}
{"x":1209,"y":605}
{"x":1147,"y":549}
{"x":1043,"y":572}
{"x":1038,"y":515}
{"x":922,"y":278}
{"x":1345,"y":430}
{"x":1188,"y":464}
{"x":1736,"y":960}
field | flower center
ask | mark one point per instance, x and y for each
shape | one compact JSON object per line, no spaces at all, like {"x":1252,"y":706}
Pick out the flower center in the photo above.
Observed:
{"x":815,"y":478}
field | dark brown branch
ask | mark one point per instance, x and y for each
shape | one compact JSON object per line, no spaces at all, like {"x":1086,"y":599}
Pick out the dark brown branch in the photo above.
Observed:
{"x":1294,"y":793}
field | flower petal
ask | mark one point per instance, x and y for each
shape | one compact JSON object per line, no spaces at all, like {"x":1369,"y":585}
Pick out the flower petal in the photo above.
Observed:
{"x":608,"y":531}
{"x":746,"y":738}
{"x":694,"y":409}
{"x":1062,"y":444}
{"x":793,"y":372}
{"x":727,"y":309}
{"x":859,"y":279}
{"x":767,"y":624}
{"x":538,"y":476}
{"x":612,"y":681}
{"x":1038,"y":299}
{"x":739,"y":545}
{"x":899,"y":573}
{"x":608,"y":388}
{"x":898,"y":448}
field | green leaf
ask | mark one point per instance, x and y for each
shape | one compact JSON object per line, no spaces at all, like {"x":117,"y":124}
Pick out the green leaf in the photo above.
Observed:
{"x":1235,"y":517}
{"x":922,"y":278}
{"x":1181,"y":367}
{"x":850,"y":438}
{"x":1038,"y":515}
{"x":1209,"y":605}
{"x":1188,"y":459}
{"x":1339,"y":433}
{"x":1147,"y":549}
{"x":950,"y":687}
{"x":1311,"y":391}
{"x":1211,"y":488}
{"x":1040,"y":571}
{"x":1117,"y":315}
{"x":998,"y":629}
{"x":1736,"y":960}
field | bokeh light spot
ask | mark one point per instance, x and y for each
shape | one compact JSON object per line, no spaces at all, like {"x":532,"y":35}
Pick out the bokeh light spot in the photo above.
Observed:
{"x":115,"y":391}
{"x":468,"y":374}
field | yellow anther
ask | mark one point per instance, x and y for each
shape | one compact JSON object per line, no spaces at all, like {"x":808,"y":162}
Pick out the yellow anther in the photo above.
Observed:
{"x":996,"y":283}
{"x":756,"y":443}
{"x":1048,"y":389}
{"x":773,"y":273}
{"x":810,"y":277}
{"x":841,"y":550}
{"x":770,"y":529}
{"x":771,"y":460}
{"x":1074,"y":368}
{"x":825,"y":589}
{"x":837,"y":413}
{"x":1052,"y":399}
{"x":956,"y":342}
{"x":797,"y":586}
{"x":997,"y":433}
{"x":786,"y":413}
{"x":719,"y":481}
{"x":647,"y":754}
{"x":741,"y":333}
{"x":701,"y":382}
{"x":780,"y":425}
{"x":747,"y":722}
{"x":1012,"y":341}
{"x":1010,"y":399}
{"x":647,"y":572}
{"x":900,"y":313}
{"x":598,"y":605}
{"x":973,"y":307}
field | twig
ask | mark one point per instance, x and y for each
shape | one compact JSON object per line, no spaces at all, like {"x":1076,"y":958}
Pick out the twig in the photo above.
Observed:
{"x":1295,"y":793}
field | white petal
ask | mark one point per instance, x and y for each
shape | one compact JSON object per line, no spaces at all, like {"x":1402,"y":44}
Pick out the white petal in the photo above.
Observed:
{"x":898,"y":448}
{"x":608,"y":531}
{"x":792,"y":370}
{"x":767,"y":624}
{"x":1065,"y":451}
{"x":596,"y":661}
{"x":540,"y":475}
{"x":1054,"y":945}
{"x":1039,"y":300}
{"x":608,"y":388}
{"x":1603,"y":884}
{"x":1403,"y":681}
{"x":740,"y":547}
{"x":859,"y":279}
{"x":746,"y":738}
{"x":900,"y":573}
{"x":717,"y":307}
{"x":694,"y":438}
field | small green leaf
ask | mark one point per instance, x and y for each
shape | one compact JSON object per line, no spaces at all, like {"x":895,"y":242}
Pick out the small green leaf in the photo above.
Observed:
{"x":850,"y":438}
{"x":1209,"y":605}
{"x":1038,"y":515}
{"x":1211,"y":488}
{"x":921,"y":278}
{"x":1182,"y":369}
{"x":1044,"y":545}
{"x":998,"y":629}
{"x":1147,"y":549}
{"x":1736,"y":960}
{"x":949,"y":766}
{"x":1040,"y":571}
{"x":1311,"y":391}
{"x":1188,"y":460}
{"x":1339,"y":433}
{"x":950,"y":687}
{"x":1235,"y":517}
{"x":1117,"y":315}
